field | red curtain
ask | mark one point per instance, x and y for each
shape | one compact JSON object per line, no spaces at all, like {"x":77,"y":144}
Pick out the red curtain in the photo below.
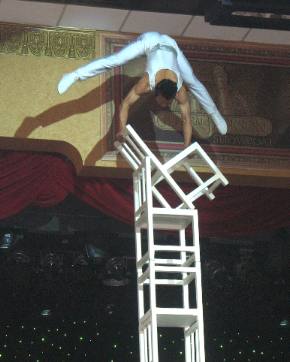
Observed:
{"x":45,"y":180}
{"x":29,"y":178}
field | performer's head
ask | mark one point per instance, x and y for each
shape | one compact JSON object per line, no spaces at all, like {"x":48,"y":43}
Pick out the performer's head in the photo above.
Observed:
{"x":165,"y":91}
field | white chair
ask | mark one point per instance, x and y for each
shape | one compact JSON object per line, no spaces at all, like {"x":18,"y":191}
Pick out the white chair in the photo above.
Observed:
{"x":134,"y":150}
{"x":177,"y":264}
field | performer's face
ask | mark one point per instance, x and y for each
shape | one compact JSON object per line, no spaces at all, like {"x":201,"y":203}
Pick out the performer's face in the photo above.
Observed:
{"x":162,"y":101}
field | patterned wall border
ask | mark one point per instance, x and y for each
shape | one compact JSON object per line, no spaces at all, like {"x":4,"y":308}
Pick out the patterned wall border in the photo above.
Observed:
{"x":51,"y":42}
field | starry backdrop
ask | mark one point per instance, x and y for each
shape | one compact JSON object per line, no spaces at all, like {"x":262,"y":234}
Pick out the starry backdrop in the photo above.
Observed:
{"x":68,"y":292}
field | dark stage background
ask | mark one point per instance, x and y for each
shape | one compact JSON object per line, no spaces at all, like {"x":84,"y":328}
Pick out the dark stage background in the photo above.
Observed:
{"x":68,"y":291}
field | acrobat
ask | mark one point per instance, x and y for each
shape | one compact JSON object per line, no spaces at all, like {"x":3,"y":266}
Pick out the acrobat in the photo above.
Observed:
{"x":166,"y":71}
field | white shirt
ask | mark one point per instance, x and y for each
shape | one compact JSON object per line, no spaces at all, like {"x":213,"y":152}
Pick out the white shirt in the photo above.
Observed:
{"x":162,"y":57}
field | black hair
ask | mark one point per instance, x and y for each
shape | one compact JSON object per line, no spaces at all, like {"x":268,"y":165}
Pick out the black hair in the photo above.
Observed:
{"x":166,"y":88}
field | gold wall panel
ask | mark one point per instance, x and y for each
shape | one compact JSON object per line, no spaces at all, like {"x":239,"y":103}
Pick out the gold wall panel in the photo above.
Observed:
{"x":32,"y":61}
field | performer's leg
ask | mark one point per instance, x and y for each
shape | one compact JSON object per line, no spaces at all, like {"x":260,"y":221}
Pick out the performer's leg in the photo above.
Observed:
{"x":140,"y":46}
{"x":100,"y":65}
{"x":200,"y":92}
{"x":131,"y":51}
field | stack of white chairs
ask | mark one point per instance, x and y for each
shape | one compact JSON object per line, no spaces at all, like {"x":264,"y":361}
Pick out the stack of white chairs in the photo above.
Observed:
{"x":176,"y":265}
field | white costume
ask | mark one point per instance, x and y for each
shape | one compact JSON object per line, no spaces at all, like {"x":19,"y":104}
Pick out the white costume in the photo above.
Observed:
{"x":162,"y":52}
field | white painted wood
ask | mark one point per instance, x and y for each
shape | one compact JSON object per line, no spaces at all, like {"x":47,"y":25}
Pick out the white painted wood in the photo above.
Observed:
{"x":135,"y":151}
{"x":155,"y":267}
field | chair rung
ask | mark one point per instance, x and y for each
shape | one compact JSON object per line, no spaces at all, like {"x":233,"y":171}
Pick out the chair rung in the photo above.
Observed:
{"x":145,"y":320}
{"x":177,"y":248}
{"x":188,"y":279}
{"x":171,"y":317}
{"x":160,"y":261}
{"x":170,"y":282}
{"x":202,"y":188}
{"x":189,"y":261}
{"x":143,"y":277}
{"x":191,"y":329}
{"x":143,"y":260}
{"x":175,"y":269}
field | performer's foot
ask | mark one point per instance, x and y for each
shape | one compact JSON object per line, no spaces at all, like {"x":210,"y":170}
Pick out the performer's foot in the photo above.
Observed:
{"x":66,"y":81}
{"x":219,"y":122}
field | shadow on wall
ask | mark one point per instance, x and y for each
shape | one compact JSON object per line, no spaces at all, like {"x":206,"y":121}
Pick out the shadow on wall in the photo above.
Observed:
{"x":140,"y":115}
{"x":90,"y":101}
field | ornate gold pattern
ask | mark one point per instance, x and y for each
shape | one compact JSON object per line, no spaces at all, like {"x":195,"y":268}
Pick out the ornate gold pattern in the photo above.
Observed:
{"x":243,"y":161}
{"x":255,"y":50}
{"x":52,"y":42}
{"x":252,"y":126}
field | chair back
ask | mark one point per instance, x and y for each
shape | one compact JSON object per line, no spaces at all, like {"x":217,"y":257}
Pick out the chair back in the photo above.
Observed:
{"x":134,"y":149}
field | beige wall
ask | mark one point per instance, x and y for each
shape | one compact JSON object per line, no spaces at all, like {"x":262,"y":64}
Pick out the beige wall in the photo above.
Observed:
{"x":32,"y":62}
{"x":80,"y":123}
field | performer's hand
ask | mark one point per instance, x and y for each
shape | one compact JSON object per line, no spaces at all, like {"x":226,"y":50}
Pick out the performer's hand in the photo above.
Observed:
{"x":219,"y":122}
{"x":120,"y":136}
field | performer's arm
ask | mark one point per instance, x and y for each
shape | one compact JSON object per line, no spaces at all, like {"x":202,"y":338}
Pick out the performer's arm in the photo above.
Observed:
{"x":184,"y":106}
{"x":139,"y":88}
{"x":130,"y":99}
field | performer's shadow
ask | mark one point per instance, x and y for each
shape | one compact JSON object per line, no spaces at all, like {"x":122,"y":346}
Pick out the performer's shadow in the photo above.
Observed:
{"x":140,"y":116}
{"x":88,"y":102}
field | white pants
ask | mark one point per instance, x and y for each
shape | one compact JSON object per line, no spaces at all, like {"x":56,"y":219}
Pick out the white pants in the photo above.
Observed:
{"x":142,"y":46}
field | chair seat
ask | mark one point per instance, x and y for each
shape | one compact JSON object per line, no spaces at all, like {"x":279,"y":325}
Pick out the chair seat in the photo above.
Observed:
{"x":171,"y":317}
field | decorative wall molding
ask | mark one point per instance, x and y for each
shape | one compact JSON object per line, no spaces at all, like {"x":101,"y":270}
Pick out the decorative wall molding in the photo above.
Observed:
{"x":51,"y":42}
